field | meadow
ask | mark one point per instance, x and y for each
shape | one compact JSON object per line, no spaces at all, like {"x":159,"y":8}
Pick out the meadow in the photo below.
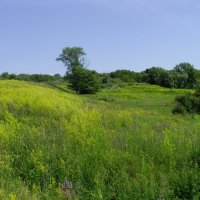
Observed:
{"x":120,"y":144}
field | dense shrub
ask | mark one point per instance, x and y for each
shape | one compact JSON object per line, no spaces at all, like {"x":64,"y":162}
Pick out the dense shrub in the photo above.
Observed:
{"x":125,"y":75}
{"x":188,"y":103}
{"x":178,"y":109}
{"x":84,"y":81}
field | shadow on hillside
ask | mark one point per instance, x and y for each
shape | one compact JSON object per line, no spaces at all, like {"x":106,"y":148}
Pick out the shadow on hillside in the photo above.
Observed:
{"x":60,"y":88}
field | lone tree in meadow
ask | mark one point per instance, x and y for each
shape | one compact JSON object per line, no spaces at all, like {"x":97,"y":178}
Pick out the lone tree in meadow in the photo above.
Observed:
{"x":82,"y":80}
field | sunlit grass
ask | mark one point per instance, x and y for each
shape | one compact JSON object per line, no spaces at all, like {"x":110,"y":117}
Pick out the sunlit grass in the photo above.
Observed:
{"x":122,"y":143}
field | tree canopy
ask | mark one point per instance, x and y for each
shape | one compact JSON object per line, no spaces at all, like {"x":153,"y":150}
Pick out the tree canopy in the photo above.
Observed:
{"x":72,"y":57}
{"x":82,"y":80}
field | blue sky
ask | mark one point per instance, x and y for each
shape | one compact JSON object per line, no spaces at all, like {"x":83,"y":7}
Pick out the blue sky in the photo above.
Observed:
{"x":115,"y":34}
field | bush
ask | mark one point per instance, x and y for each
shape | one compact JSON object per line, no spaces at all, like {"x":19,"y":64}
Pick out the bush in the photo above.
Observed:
{"x":84,"y":81}
{"x":178,"y":109}
{"x":188,"y":103}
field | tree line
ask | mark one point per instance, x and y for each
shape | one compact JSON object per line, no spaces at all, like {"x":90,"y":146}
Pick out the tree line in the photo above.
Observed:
{"x":183,"y":75}
{"x":85,"y":81}
{"x":31,"y":77}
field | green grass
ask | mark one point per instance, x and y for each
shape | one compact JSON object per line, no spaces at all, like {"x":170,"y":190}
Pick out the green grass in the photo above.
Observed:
{"x":121,"y":143}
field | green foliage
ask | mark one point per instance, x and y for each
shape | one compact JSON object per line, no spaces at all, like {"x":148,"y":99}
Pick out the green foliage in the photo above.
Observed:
{"x":32,"y":77}
{"x":72,"y":57}
{"x":82,"y":80}
{"x":179,"y":109}
{"x":120,"y":78}
{"x":41,"y":78}
{"x":122,"y":143}
{"x":185,"y":183}
{"x":125,"y":75}
{"x":184,"y":75}
{"x":190,"y":74}
{"x":6,"y":75}
{"x":159,"y":76}
{"x":188,"y":103}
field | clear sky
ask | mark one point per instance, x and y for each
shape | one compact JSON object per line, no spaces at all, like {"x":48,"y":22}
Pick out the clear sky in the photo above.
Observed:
{"x":115,"y":34}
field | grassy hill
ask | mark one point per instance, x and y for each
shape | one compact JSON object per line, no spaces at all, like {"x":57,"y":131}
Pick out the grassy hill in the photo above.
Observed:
{"x":122,"y":143}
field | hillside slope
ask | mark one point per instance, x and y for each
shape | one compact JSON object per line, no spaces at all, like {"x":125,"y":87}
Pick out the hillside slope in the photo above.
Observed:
{"x":122,"y":143}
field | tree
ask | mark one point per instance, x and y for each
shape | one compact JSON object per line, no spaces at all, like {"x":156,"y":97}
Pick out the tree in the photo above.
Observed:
{"x":125,"y":75}
{"x":5,"y":75}
{"x":82,"y":80}
{"x":72,"y":58}
{"x":85,"y":81}
{"x":166,"y":79}
{"x":188,"y":70}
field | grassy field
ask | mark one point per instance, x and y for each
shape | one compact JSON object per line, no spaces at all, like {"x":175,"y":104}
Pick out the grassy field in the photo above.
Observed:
{"x":120,"y":144}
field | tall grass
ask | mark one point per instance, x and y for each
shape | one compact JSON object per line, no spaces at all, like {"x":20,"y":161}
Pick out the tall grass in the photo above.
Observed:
{"x":119,"y":144}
